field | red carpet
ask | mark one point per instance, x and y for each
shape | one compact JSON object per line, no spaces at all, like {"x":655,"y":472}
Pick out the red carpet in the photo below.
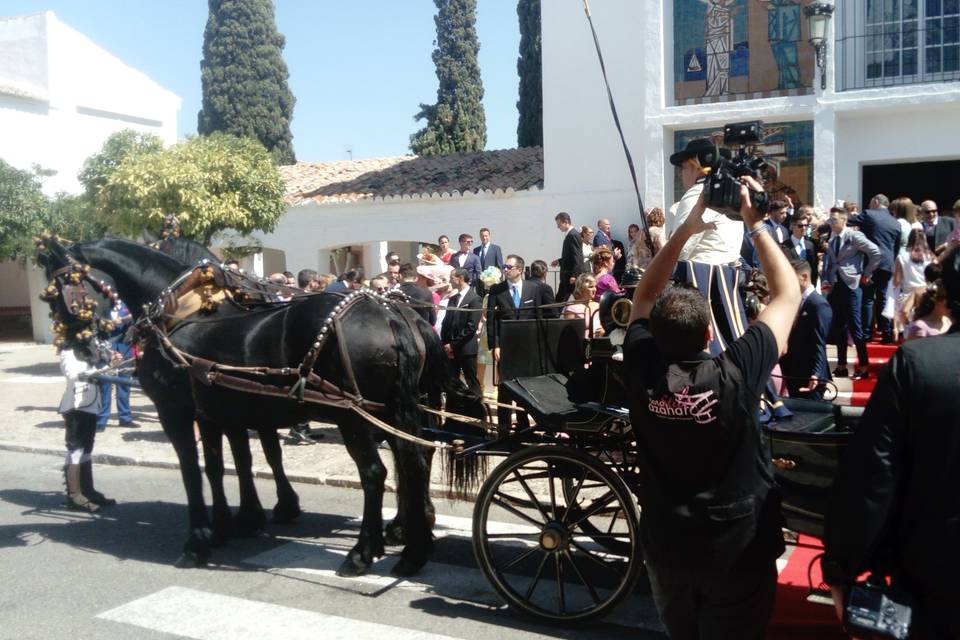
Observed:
{"x":793,"y":615}
{"x":878,"y":355}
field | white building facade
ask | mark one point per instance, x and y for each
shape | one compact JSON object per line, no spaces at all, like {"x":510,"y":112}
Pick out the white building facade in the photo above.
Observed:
{"x":887,"y":120}
{"x":61,"y":96}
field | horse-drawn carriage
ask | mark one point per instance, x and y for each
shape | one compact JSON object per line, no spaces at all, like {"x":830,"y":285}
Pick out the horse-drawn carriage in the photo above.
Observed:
{"x":568,"y":482}
{"x":556,"y":522}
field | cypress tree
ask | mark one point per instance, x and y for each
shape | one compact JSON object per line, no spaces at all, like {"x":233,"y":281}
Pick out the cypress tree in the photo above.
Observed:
{"x":244,"y":77}
{"x":530,"y":104}
{"x":456,"y":123}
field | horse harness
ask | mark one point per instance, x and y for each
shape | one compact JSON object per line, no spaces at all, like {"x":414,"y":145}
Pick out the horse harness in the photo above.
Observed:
{"x":204,"y":288}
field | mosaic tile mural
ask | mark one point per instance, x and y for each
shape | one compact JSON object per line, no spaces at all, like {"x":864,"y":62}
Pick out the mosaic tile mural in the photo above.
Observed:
{"x":789,"y":143}
{"x":737,"y":49}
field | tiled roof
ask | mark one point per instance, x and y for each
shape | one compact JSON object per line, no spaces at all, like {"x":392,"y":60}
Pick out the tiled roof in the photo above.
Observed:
{"x":351,"y":180}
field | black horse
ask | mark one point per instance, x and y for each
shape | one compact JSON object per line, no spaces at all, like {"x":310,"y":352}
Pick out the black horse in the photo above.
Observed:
{"x":389,"y":361}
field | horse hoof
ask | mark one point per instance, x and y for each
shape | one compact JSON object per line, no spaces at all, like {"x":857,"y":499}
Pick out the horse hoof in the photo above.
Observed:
{"x":407,"y":567}
{"x":285,"y":514}
{"x":353,"y":566}
{"x":248,"y":525}
{"x":191,"y":560}
{"x":394,"y":535}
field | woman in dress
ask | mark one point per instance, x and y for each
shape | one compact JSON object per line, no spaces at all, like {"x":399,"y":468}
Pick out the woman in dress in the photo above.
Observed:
{"x":908,"y":276}
{"x":603,"y":262}
{"x":905,"y":212}
{"x":489,"y":277}
{"x":640,"y":255}
{"x":933,"y":315}
{"x":583,"y":306}
{"x":586,"y":245}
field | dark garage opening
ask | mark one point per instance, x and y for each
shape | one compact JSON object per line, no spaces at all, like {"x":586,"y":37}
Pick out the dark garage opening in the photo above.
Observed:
{"x":919,"y":181}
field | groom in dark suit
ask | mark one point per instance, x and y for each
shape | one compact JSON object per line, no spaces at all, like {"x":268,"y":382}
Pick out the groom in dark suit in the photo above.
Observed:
{"x":804,"y":365}
{"x":798,"y":246}
{"x":458,"y":332}
{"x":489,"y":255}
{"x":512,"y":299}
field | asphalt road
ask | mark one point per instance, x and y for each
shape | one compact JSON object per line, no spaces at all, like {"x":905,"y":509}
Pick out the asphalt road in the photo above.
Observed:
{"x":75,"y":576}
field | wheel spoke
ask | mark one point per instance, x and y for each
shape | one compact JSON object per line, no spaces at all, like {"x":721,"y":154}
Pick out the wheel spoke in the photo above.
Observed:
{"x":520,"y":558}
{"x":583,"y":581}
{"x":553,"y":492}
{"x":595,"y":508}
{"x":533,"y":498}
{"x":524,"y":534}
{"x":520,"y":514}
{"x":536,"y":578}
{"x":572,"y":499}
{"x":598,"y":561}
{"x":560,"y":591}
{"x":613,"y":519}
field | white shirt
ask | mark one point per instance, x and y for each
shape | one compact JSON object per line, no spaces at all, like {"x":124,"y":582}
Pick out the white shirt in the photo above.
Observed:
{"x":719,"y":246}
{"x":806,"y":294}
{"x":462,"y":258}
{"x":798,"y":247}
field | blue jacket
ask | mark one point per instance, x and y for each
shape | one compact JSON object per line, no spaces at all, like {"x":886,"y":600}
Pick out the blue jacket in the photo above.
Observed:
{"x":493,"y":258}
{"x":471,"y":264}
{"x":883,"y":230}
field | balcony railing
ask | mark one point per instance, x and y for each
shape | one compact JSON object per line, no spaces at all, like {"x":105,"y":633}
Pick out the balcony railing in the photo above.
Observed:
{"x":899,"y":53}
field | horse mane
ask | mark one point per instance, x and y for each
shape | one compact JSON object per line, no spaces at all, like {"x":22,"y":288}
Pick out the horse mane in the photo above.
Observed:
{"x":186,"y":251}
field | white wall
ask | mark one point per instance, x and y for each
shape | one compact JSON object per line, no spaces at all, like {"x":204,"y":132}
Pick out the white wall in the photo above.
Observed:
{"x":520,"y":223}
{"x":14,"y":275}
{"x":61,"y":96}
{"x":887,"y":137}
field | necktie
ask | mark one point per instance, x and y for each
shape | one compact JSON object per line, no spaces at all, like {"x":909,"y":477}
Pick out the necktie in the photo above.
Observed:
{"x":455,"y":301}
{"x":483,"y":255}
{"x":836,"y":245}
{"x":516,"y":296}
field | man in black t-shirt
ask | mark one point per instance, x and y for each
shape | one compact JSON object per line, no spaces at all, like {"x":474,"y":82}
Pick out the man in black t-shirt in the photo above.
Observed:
{"x":710,"y":522}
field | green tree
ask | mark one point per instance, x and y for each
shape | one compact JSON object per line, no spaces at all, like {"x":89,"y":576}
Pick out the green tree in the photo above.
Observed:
{"x":22,"y":207}
{"x":456,"y":123}
{"x":73,"y":217}
{"x":211,"y":183}
{"x":529,"y":64}
{"x":98,"y":167}
{"x":244,"y":76}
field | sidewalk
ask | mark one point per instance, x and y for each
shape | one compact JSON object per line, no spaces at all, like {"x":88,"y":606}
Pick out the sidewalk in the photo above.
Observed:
{"x":32,"y":386}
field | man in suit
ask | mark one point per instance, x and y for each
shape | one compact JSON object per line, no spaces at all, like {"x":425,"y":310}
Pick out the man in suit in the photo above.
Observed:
{"x":538,"y":275}
{"x":512,"y":299}
{"x":571,"y":256}
{"x":602,"y":237}
{"x":489,"y":253}
{"x":420,"y":296}
{"x":883,"y":230}
{"x":458,"y":333}
{"x":849,"y":262}
{"x":781,"y":234}
{"x":936,"y":227}
{"x":804,"y":365}
{"x":798,"y":246}
{"x":465,"y":259}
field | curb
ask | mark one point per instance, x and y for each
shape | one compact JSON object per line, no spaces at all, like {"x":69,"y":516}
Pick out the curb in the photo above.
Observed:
{"x":436,"y":490}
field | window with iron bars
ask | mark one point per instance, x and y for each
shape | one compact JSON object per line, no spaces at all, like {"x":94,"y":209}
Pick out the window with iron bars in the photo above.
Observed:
{"x":896,"y":42}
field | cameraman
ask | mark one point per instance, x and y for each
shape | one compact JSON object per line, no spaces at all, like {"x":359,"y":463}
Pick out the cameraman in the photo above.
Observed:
{"x":715,"y":244}
{"x":710,"y":523}
{"x":895,"y":502}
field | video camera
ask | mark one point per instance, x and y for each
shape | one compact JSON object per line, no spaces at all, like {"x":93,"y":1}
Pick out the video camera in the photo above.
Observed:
{"x":722,"y":188}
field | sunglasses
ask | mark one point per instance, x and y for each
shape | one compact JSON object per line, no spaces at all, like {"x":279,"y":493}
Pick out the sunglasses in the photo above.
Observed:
{"x":511,"y":266}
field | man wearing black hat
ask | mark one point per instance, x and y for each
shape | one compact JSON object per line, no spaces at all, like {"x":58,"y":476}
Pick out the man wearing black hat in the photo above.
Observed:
{"x":720,"y":245}
{"x":894,"y":501}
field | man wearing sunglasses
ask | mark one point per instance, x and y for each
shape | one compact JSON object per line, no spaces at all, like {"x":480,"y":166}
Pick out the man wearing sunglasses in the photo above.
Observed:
{"x":800,"y":247}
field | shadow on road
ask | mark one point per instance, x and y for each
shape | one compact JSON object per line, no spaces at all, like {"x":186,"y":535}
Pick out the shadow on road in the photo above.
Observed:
{"x":37,"y":369}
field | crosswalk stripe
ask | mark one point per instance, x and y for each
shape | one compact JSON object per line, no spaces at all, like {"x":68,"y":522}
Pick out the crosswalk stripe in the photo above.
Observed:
{"x":201,"y":615}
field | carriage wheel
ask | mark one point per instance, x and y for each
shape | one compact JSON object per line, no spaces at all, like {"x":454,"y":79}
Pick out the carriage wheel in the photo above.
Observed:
{"x":557,"y":555}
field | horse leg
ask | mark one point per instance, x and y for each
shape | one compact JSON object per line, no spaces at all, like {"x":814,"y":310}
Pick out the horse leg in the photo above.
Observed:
{"x":250,"y":516}
{"x":211,"y":435}
{"x":413,"y":484}
{"x":360,"y":445}
{"x":179,"y":429}
{"x":394,"y":533}
{"x":288,"y":503}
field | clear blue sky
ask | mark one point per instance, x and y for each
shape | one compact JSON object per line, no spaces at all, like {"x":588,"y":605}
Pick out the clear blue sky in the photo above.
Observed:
{"x":358,"y":68}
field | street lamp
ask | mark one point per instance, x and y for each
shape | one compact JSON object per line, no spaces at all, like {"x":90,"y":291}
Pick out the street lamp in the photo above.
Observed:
{"x":818,"y":16}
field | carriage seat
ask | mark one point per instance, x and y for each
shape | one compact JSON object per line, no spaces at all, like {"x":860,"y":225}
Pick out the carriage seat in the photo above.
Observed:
{"x":545,"y":398}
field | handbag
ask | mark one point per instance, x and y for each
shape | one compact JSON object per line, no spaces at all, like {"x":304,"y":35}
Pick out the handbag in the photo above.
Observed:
{"x":890,"y":302}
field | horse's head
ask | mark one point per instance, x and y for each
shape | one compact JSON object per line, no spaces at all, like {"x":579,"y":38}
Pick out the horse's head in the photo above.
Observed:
{"x":79,"y":302}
